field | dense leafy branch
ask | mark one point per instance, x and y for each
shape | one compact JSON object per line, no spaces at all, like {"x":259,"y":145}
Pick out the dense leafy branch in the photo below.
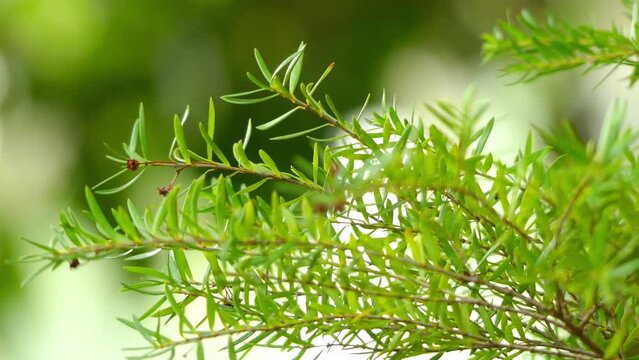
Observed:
{"x":399,"y":240}
{"x":541,"y":48}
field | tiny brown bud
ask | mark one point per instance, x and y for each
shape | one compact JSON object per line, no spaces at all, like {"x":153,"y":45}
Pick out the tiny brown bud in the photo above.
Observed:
{"x":321,"y":207}
{"x":74,"y":263}
{"x":163,"y":190}
{"x":334,"y":169}
{"x":132,"y":164}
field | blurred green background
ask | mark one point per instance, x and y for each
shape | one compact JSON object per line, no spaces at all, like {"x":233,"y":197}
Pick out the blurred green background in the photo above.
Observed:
{"x":72,"y":73}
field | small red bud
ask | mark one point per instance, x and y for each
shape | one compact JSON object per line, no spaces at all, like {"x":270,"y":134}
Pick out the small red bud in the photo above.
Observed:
{"x":132,"y":164}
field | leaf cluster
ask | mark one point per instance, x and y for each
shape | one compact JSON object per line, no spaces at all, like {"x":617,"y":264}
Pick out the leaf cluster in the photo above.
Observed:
{"x":540,"y":48}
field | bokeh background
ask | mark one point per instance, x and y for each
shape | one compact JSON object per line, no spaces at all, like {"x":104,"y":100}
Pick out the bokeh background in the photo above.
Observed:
{"x":72,"y":73}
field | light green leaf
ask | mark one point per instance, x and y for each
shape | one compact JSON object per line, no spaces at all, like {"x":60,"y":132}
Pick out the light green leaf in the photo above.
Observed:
{"x":200,"y":351}
{"x":278,"y":120}
{"x":251,"y":187}
{"x":315,"y":162}
{"x":144,"y":255}
{"x":101,"y":221}
{"x":231,"y":349}
{"x":361,"y":112}
{"x":121,"y":187}
{"x":123,"y":219}
{"x":240,"y":156}
{"x":298,"y":134}
{"x":220,"y":202}
{"x":485,"y":133}
{"x":172,"y":223}
{"x":109,"y":178}
{"x":247,"y":135}
{"x":262,"y":65}
{"x":324,"y":75}
{"x":211,"y":129}
{"x":210,"y":144}
{"x":331,"y":106}
{"x":181,"y":140}
{"x":257,"y":82}
{"x":268,"y":161}
{"x":238,"y":101}
{"x":133,"y":140}
{"x":144,"y":144}
{"x":286,"y":61}
{"x":182,"y":264}
{"x":295,"y":74}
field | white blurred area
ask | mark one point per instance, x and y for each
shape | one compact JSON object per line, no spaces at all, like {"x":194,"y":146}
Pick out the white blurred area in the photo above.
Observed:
{"x":71,"y":314}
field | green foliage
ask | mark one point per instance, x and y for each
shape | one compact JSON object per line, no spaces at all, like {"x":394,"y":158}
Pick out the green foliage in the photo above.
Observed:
{"x":541,"y":48}
{"x":394,"y":239}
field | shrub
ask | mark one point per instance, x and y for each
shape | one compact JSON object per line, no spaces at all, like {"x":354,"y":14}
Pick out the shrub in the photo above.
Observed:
{"x":394,"y":239}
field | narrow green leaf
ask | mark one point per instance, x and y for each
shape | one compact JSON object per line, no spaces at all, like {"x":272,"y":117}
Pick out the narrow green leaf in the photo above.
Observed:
{"x":298,"y":134}
{"x":257,"y":82}
{"x":210,"y":144}
{"x":315,"y":162}
{"x":288,"y":60}
{"x":485,"y":133}
{"x":144,"y":255}
{"x":109,"y":178}
{"x":200,"y":351}
{"x":237,"y":101}
{"x":101,"y":221}
{"x":182,"y":264}
{"x":277,"y":120}
{"x":614,"y":345}
{"x":251,"y":187}
{"x":295,"y":74}
{"x":190,"y":207}
{"x":268,"y":161}
{"x":220,"y":202}
{"x":262,"y":65}
{"x":153,"y":308}
{"x":247,"y":135}
{"x":121,"y":187}
{"x":146,"y":333}
{"x":211,"y":130}
{"x":34,"y":274}
{"x":361,"y":112}
{"x":240,"y":156}
{"x":185,"y":115}
{"x":328,"y":160}
{"x":331,"y":106}
{"x":324,"y":75}
{"x":220,"y":155}
{"x":137,"y":219}
{"x":181,"y":140}
{"x":124,"y":221}
{"x":365,"y":137}
{"x":231,"y":349}
{"x":178,"y":311}
{"x":172,"y":219}
{"x":147,"y":271}
{"x":144,"y":144}
{"x":133,"y":140}
{"x":160,"y":216}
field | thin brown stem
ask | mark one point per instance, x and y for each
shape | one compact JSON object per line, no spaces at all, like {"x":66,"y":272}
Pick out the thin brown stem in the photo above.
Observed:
{"x":223,"y":167}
